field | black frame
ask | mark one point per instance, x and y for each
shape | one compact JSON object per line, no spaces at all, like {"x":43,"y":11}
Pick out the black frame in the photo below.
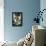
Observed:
{"x":16,"y":15}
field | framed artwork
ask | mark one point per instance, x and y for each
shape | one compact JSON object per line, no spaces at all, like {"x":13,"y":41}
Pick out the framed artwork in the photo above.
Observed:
{"x":17,"y":18}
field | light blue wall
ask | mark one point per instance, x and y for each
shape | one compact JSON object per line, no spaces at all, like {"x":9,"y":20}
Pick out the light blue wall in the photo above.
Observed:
{"x":43,"y":6}
{"x":29,"y":8}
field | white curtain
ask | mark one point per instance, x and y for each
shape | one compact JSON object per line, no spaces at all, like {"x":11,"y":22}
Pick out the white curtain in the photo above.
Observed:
{"x":1,"y":20}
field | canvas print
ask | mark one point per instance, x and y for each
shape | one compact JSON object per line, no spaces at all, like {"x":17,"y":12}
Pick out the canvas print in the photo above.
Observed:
{"x":16,"y":18}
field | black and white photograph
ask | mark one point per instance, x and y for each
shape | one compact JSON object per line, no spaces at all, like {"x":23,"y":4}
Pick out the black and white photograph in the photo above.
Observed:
{"x":16,"y":18}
